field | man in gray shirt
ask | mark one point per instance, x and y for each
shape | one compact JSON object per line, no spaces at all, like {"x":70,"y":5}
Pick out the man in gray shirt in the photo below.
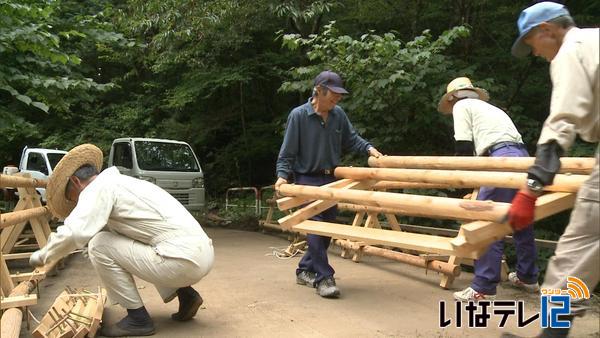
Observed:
{"x":317,"y":134}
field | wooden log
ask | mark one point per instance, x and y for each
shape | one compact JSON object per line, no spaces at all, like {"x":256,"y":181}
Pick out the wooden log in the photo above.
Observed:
{"x":459,"y":178}
{"x":384,"y":185}
{"x":405,"y":204}
{"x":16,"y":217}
{"x":315,"y":207}
{"x":574,"y":165}
{"x":286,"y":203}
{"x":397,"y":239}
{"x":10,"y":323}
{"x":14,"y":181}
{"x":434,"y":265}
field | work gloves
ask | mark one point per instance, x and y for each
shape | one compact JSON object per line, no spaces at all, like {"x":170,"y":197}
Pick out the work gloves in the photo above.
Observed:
{"x":521,"y":212}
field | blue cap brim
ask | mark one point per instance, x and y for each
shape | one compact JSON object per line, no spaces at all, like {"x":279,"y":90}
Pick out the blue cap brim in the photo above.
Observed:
{"x":520,"y":48}
{"x":338,"y":90}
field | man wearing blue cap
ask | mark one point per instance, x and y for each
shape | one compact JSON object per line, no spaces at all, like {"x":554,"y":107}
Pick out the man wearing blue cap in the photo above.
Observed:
{"x":316,"y":135}
{"x":547,"y":30}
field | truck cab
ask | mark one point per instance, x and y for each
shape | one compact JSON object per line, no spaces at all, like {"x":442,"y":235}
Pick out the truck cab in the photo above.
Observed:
{"x":40,"y":163}
{"x":172,"y":165}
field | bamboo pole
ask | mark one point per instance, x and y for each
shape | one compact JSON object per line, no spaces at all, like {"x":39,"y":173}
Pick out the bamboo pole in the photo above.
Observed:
{"x":16,"y":217}
{"x":411,"y":205}
{"x":434,"y":265}
{"x":574,"y":165}
{"x":459,"y":178}
{"x":14,"y":181}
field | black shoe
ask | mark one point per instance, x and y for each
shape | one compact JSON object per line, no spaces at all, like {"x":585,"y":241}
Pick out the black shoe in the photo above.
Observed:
{"x":554,"y":332}
{"x":306,"y":278}
{"x":327,"y":288}
{"x":128,"y":327}
{"x":189,"y":303}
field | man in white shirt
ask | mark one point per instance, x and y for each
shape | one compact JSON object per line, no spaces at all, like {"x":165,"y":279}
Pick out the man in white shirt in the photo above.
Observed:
{"x":132,"y":228}
{"x":546,"y":29}
{"x":485,"y":130}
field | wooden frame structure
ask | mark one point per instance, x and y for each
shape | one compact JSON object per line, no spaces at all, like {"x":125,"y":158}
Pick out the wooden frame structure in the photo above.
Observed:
{"x":363,"y":190}
{"x":29,"y":210}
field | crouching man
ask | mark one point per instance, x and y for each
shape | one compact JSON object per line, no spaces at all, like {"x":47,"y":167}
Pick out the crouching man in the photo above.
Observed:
{"x":132,"y":228}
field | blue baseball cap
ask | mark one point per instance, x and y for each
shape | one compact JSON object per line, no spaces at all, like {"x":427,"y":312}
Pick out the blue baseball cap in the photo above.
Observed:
{"x":332,"y":81}
{"x":530,"y":18}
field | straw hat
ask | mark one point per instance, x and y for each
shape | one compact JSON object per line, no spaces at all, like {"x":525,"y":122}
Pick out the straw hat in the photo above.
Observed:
{"x":460,"y":83}
{"x":57,"y":183}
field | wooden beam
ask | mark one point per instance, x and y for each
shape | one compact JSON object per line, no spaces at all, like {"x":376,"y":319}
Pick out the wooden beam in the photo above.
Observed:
{"x":434,"y":265}
{"x":16,"y":217}
{"x":286,"y":203}
{"x":19,"y":277}
{"x":459,"y":178}
{"x":384,"y":185}
{"x":22,"y":255}
{"x":406,"y":204}
{"x":397,"y":239}
{"x":14,"y":181}
{"x":546,"y":205}
{"x":18,"y":301}
{"x":574,"y":165}
{"x":314,"y":208}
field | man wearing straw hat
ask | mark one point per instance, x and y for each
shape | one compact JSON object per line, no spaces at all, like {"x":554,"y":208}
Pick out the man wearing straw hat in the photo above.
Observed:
{"x":546,"y":29}
{"x":132,"y":228}
{"x":485,"y":130}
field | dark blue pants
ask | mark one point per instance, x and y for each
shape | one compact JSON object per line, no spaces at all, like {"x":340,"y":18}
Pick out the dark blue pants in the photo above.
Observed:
{"x":488,"y":266}
{"x":315,"y":258}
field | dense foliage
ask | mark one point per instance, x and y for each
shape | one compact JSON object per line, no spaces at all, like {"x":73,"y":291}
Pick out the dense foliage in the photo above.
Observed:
{"x":222,"y":75}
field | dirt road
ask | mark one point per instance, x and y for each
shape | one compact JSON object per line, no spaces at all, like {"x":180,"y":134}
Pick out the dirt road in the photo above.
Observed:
{"x":251,"y":293}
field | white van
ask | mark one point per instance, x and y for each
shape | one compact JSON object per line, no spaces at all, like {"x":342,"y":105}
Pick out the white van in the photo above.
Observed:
{"x":172,"y":165}
{"x":39,"y":163}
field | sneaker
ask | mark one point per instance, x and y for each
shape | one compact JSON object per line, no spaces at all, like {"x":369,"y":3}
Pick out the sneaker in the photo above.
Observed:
{"x":516,"y":282}
{"x":306,"y":278}
{"x":469,"y":294}
{"x":327,"y":288}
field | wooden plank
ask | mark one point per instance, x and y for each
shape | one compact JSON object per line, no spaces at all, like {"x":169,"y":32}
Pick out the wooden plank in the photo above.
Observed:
{"x":314,"y":208}
{"x":18,"y":301}
{"x":397,"y":239}
{"x":22,"y":255}
{"x":6,"y":284}
{"x":546,"y":205}
{"x":447,"y":280}
{"x":406,"y":204}
{"x":292,"y":202}
{"x":575,"y":165}
{"x":19,"y":277}
{"x":459,"y":178}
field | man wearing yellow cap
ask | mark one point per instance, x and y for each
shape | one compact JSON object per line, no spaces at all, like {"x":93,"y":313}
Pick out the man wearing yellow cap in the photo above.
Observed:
{"x":132,"y":228}
{"x":546,"y":29}
{"x":485,"y":130}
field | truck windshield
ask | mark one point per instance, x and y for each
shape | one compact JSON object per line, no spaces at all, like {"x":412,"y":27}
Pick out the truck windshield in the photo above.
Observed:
{"x":54,"y":158}
{"x":161,"y":156}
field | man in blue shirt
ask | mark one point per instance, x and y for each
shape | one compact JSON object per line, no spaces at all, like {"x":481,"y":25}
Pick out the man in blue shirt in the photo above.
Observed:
{"x":317,"y":134}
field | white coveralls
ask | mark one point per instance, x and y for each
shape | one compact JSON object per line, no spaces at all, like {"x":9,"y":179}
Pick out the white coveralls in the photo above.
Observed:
{"x":133,"y":227}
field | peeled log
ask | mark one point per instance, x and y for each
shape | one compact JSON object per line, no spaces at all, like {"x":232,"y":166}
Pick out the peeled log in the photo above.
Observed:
{"x":575,"y":165}
{"x":439,"y":266}
{"x":406,"y":204}
{"x":459,"y":178}
{"x":13,"y":181}
{"x":16,"y":217}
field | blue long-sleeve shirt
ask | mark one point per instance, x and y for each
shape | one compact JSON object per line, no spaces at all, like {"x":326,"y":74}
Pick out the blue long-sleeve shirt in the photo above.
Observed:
{"x":312,"y":145}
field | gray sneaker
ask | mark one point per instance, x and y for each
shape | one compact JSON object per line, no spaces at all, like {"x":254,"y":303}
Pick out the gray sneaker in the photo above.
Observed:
{"x":306,"y":278}
{"x":327,"y":288}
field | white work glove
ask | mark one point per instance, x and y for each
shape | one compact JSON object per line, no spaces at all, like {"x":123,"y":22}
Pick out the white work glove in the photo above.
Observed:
{"x":35,"y":259}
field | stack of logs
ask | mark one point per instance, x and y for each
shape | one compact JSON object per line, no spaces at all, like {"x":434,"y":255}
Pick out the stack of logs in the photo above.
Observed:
{"x":363,"y":190}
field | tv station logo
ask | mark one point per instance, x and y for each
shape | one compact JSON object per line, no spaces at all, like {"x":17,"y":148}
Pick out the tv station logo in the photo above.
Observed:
{"x":553,"y":304}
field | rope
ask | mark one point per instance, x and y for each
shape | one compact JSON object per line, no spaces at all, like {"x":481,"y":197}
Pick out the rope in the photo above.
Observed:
{"x":282,"y":253}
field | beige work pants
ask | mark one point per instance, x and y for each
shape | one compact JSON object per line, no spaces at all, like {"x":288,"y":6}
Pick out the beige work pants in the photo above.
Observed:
{"x":117,"y":259}
{"x":577,"y":252}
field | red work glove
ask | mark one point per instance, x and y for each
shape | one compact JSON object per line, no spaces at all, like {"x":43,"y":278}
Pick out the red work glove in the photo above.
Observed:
{"x":520,"y":214}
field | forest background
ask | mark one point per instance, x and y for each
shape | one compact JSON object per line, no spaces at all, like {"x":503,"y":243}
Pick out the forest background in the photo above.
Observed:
{"x":223,"y":75}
